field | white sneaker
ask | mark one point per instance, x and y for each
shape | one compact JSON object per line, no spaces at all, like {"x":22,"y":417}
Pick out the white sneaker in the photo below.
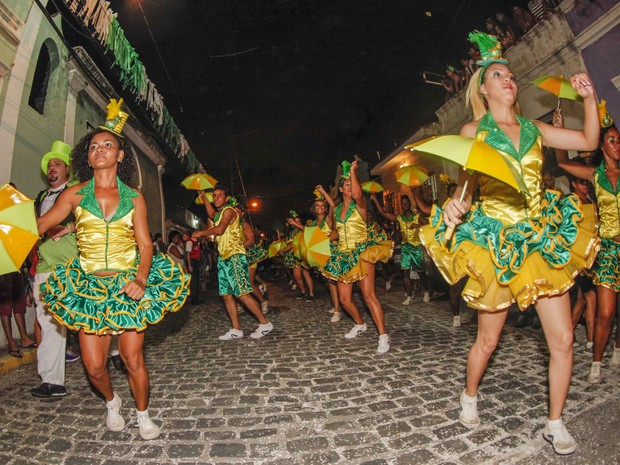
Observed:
{"x":595,"y":373}
{"x":265,"y":307}
{"x":426,"y":297}
{"x":469,"y":411}
{"x":456,"y":321}
{"x":556,"y":433}
{"x":148,"y":429}
{"x":407,"y":301}
{"x":615,"y":358}
{"x":388,"y":285}
{"x":356,"y":331}
{"x":336,"y":317}
{"x":115,"y":421}
{"x":384,"y":344}
{"x":240,"y":309}
{"x":589,"y":345}
{"x":262,"y":288}
{"x":261,"y":331}
{"x":332,"y":310}
{"x":232,"y":333}
{"x":293,"y":287}
{"x":414,"y":275}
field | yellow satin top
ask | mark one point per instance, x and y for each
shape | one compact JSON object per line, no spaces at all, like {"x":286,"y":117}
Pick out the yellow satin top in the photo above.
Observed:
{"x":105,"y":245}
{"x":608,"y":207}
{"x":506,"y":204}
{"x":323,"y":226}
{"x":231,"y":242}
{"x":589,"y":217}
{"x":409,"y":235}
{"x":353,"y":230}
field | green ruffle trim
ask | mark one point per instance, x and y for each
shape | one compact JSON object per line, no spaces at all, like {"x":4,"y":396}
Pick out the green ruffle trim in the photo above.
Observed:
{"x":606,"y":269}
{"x":291,"y":261}
{"x":81,"y":300}
{"x":256,"y":254}
{"x":551,"y":235}
{"x":341,"y":262}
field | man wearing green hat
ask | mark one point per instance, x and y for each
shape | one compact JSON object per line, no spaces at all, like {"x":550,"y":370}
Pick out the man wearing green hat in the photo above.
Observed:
{"x":56,"y":247}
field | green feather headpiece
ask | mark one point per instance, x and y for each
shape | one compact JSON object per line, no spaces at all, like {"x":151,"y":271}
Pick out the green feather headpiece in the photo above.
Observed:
{"x":233,"y":202}
{"x":318,"y":195}
{"x":346,"y":169}
{"x":293,"y":214}
{"x":489,"y":46}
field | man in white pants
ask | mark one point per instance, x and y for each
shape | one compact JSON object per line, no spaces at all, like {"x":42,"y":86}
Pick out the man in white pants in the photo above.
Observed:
{"x":58,"y":245}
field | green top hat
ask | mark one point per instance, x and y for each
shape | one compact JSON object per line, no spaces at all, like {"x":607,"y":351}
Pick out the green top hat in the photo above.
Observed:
{"x":59,"y":150}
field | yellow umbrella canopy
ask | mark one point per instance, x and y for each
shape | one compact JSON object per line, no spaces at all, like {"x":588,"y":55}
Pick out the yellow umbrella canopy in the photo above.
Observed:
{"x":558,"y":86}
{"x":199,"y":182}
{"x":317,"y":246}
{"x":411,"y":147}
{"x":275,"y":247}
{"x":411,"y":175}
{"x":18,"y":228}
{"x":199,"y":200}
{"x":475,"y":155}
{"x":299,"y":245}
{"x":372,"y":187}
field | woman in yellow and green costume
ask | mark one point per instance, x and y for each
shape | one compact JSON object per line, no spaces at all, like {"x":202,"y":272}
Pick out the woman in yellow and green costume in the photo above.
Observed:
{"x":606,"y":270}
{"x":513,"y":247}
{"x":115,"y":285}
{"x":299,"y":267}
{"x":353,"y":260}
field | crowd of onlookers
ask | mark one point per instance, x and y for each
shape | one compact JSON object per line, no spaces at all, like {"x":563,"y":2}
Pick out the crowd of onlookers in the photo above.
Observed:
{"x":509,"y":27}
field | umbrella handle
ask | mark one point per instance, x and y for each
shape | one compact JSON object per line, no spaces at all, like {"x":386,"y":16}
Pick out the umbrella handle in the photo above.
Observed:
{"x":450,"y":231}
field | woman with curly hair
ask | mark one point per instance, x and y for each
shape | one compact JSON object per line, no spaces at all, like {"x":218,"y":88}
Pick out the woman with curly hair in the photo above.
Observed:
{"x":115,"y":285}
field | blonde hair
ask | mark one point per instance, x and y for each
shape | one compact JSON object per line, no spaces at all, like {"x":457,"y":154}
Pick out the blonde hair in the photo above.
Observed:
{"x":476,"y":100}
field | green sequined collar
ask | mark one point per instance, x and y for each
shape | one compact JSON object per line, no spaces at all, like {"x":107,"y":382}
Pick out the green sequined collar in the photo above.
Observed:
{"x":498,"y":139}
{"x":338,"y":209}
{"x":603,"y":180}
{"x":89,"y":201}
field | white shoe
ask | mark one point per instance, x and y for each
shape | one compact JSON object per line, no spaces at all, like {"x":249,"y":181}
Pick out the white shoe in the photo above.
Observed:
{"x":336,"y":317}
{"x":262,"y":288}
{"x":293,"y":287}
{"x":589,"y":345}
{"x":332,"y":310}
{"x":594,"y":377}
{"x":356,"y":331}
{"x":426,"y":297}
{"x":388,"y":285}
{"x":265,"y":307}
{"x":262,"y":330}
{"x":148,"y":429}
{"x":615,"y":358}
{"x":240,"y":309}
{"x":556,"y":433}
{"x":384,"y":344}
{"x":469,"y":411}
{"x":456,"y":321}
{"x":407,"y":301}
{"x":232,"y":333}
{"x":115,"y":421}
{"x":414,"y":275}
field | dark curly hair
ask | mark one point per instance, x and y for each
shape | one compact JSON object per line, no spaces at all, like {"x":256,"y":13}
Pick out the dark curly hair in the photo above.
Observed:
{"x":79,"y":158}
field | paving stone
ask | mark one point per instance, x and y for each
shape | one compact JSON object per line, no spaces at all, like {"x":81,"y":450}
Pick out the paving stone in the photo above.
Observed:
{"x":185,"y":450}
{"x":298,"y":445}
{"x":228,"y":450}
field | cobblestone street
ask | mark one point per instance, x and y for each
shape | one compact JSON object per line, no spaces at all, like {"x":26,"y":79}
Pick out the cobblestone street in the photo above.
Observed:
{"x":305,"y":395}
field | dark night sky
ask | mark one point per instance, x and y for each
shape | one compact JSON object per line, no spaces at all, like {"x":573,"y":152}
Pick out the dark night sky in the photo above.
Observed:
{"x":319,"y":82}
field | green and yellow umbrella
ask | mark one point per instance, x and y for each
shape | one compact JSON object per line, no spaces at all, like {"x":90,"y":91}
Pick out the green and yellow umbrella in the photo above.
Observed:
{"x":275,"y":247}
{"x":411,"y":175}
{"x":18,"y":228}
{"x":372,"y":187}
{"x":199,"y":200}
{"x":299,"y":245}
{"x":199,"y":182}
{"x":317,"y":246}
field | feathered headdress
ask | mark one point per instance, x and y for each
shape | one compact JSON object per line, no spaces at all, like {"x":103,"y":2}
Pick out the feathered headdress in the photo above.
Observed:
{"x":346,"y":169}
{"x":116,"y":119}
{"x":293,"y":214}
{"x":603,"y":115}
{"x":489,"y":46}
{"x":318,"y":195}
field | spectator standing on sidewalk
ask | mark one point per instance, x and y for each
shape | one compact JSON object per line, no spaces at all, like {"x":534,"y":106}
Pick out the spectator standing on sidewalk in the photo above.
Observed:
{"x":58,"y":245}
{"x":193,"y":255}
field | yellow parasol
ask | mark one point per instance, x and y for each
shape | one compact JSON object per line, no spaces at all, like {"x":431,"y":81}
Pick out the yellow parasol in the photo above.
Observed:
{"x":18,"y":228}
{"x":299,"y":245}
{"x":372,"y":187}
{"x":199,"y":200}
{"x":558,"y":86}
{"x":412,"y":147}
{"x":474,"y":155}
{"x":411,"y":175}
{"x":317,"y":246}
{"x":275,"y":247}
{"x":199,"y":182}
